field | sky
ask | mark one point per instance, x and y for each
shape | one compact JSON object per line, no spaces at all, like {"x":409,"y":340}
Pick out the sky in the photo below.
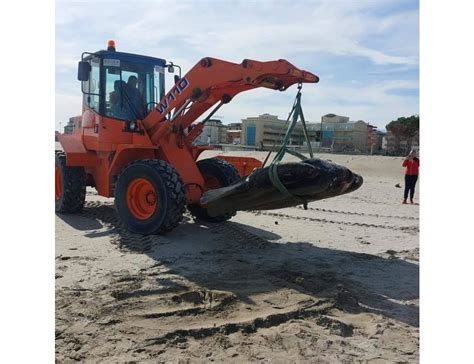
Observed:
{"x":366,"y":52}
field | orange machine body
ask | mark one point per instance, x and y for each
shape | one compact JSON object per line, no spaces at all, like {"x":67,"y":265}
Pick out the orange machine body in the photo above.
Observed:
{"x":104,"y":145}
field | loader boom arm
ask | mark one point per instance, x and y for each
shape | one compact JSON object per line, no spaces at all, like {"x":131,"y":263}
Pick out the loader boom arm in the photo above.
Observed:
{"x":213,"y":81}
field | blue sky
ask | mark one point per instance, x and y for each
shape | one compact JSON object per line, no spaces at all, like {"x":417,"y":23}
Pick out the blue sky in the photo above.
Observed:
{"x":366,"y":53}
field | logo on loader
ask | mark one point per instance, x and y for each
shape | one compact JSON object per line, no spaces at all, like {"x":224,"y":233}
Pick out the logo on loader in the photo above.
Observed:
{"x":176,"y":90}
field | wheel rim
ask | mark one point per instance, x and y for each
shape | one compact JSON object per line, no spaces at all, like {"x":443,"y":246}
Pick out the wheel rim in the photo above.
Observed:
{"x":58,"y":188}
{"x":142,"y":199}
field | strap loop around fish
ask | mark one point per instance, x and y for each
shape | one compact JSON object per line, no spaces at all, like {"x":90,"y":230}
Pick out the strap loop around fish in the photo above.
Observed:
{"x":275,"y":180}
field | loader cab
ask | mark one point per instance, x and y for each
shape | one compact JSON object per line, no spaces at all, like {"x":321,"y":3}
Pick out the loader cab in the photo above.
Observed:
{"x":121,"y":85}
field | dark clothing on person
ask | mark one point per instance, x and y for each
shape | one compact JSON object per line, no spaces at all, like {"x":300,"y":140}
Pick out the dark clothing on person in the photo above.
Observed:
{"x":410,"y":182}
{"x":411,"y":176}
{"x":128,"y":102}
{"x":136,"y":100}
{"x":118,"y":99}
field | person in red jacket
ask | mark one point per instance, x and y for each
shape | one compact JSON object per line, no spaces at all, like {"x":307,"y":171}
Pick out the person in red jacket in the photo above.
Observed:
{"x":412,"y":164}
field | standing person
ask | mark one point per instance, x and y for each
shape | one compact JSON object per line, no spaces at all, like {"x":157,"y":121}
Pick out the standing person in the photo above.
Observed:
{"x":412,"y":164}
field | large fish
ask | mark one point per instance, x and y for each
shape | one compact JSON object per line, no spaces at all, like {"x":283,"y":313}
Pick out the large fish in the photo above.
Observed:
{"x":310,"y":180}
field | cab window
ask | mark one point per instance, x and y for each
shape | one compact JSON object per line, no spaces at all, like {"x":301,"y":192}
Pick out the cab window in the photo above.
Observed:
{"x":92,"y":86}
{"x":130,"y":89}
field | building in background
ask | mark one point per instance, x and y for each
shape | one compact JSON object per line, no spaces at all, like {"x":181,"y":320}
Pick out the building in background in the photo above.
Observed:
{"x":234,"y":136}
{"x":399,"y":146}
{"x":374,"y":140}
{"x":335,"y":133}
{"x":341,"y":135}
{"x":380,"y":135}
{"x":333,"y":118}
{"x":69,"y":127}
{"x":234,"y":133}
{"x":214,"y":132}
{"x":267,"y":130}
{"x":234,"y":126}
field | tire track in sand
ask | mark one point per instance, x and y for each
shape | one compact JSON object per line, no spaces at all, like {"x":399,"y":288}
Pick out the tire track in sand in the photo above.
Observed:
{"x":314,"y":219}
{"x":358,"y":213}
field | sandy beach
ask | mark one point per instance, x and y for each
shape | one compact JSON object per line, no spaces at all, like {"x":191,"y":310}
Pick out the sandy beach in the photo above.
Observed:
{"x":338,"y":282}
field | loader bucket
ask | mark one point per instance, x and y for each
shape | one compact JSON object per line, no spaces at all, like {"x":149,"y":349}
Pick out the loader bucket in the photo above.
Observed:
{"x":244,"y":165}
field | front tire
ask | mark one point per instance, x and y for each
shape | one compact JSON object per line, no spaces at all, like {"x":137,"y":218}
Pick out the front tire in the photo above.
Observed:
{"x":150,"y":197}
{"x":217,"y":173}
{"x":70,"y":186}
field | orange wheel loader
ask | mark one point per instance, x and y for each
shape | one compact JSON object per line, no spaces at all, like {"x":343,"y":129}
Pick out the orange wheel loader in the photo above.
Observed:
{"x":134,"y":142}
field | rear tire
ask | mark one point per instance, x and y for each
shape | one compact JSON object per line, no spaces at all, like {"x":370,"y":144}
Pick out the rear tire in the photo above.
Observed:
{"x":150,"y":197}
{"x":217,"y":173}
{"x":70,"y":186}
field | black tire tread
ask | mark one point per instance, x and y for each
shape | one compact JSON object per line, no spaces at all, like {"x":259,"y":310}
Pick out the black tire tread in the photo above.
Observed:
{"x":175,"y":190}
{"x":74,"y":186}
{"x":230,"y":176}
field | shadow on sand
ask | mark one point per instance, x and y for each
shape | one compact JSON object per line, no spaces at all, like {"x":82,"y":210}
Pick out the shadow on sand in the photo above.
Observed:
{"x":247,"y":261}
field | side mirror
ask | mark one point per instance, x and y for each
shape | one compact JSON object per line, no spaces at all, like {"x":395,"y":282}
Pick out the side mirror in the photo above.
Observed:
{"x":171,"y":69}
{"x":83,"y":71}
{"x":176,"y":79}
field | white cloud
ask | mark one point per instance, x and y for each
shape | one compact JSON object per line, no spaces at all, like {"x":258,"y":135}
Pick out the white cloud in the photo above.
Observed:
{"x":185,"y":31}
{"x":232,"y":31}
{"x":328,"y":28}
{"x":372,"y":103}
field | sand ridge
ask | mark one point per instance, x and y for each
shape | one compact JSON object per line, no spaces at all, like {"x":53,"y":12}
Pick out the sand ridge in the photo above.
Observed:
{"x":337,"y":282}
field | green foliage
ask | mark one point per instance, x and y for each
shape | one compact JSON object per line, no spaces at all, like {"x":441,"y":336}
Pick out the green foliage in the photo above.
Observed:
{"x":404,"y":127}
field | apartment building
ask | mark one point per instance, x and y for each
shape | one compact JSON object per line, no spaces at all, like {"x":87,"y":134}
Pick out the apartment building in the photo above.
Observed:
{"x":269,"y":130}
{"x":214,"y":132}
{"x":341,"y":135}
